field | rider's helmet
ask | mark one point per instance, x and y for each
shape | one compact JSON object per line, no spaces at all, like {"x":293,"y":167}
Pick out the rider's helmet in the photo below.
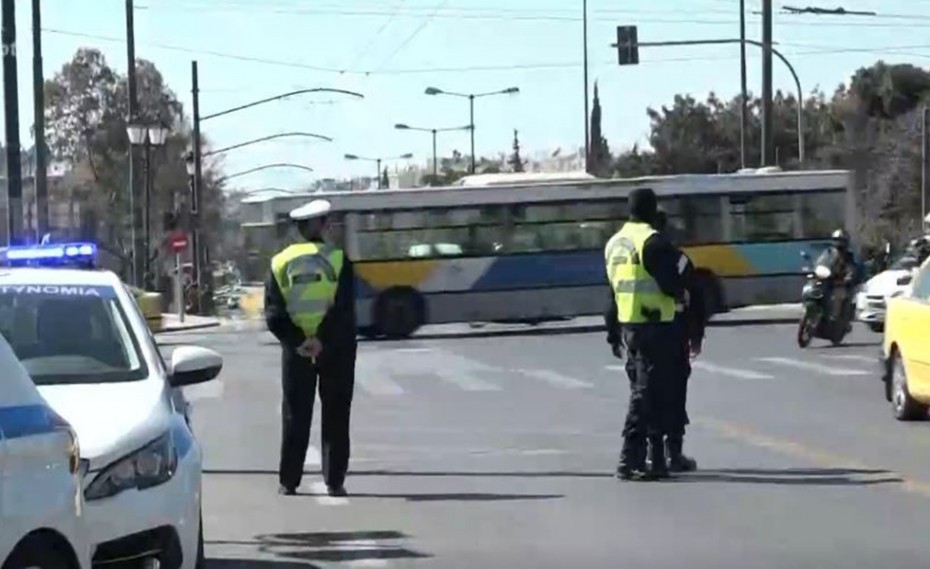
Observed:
{"x":840,"y":239}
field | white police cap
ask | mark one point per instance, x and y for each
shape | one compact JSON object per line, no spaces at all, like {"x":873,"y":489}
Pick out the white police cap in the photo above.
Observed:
{"x":316,"y":208}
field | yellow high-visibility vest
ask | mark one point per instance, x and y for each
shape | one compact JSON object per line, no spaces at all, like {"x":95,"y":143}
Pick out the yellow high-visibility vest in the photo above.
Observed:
{"x":308,"y":276}
{"x":634,"y":288}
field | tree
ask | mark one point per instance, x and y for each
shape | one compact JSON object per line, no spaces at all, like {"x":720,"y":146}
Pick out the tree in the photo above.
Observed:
{"x":515,"y":162}
{"x":86,"y":116}
{"x":599,"y":158}
{"x":385,"y":181}
{"x":872,"y":127}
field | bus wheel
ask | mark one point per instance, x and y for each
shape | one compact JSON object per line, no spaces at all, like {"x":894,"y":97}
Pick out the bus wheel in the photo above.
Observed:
{"x":399,"y":312}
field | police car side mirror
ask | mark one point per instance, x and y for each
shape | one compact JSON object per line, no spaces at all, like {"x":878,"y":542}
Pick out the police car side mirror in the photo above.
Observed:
{"x":191,"y":365}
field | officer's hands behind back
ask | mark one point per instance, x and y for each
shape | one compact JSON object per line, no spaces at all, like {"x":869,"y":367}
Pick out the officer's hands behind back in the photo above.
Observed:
{"x":311,"y":348}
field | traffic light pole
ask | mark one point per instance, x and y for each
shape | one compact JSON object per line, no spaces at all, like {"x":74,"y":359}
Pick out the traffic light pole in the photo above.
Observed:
{"x":11,"y":114}
{"x":629,"y":55}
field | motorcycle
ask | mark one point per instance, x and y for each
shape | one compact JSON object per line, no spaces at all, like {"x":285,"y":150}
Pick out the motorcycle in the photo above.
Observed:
{"x":818,"y":320}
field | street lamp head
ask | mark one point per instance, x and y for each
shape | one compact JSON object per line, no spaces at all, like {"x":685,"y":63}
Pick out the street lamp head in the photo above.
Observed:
{"x":351,"y":157}
{"x":512,"y":91}
{"x":158,"y":135}
{"x":433,"y":91}
{"x":401,"y":127}
{"x":136,"y":134}
{"x":406,"y":156}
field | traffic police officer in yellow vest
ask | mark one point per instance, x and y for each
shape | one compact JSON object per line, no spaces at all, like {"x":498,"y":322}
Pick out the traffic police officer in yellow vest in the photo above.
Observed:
{"x":642,"y":269}
{"x":310,"y":308}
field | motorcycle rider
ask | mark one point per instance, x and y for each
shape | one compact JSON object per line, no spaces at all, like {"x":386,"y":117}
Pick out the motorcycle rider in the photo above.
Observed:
{"x":842,"y":264}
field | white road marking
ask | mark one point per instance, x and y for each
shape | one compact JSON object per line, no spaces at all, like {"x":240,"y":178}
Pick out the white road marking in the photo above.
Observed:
{"x":412,"y":350}
{"x":615,"y":368}
{"x":555,"y":378}
{"x":466,"y":381}
{"x":208,"y":390}
{"x":376,"y":383}
{"x":853,"y":358}
{"x":808,"y":366}
{"x":730,"y":371}
{"x":363,"y":545}
{"x":324,"y":499}
{"x":313,"y":457}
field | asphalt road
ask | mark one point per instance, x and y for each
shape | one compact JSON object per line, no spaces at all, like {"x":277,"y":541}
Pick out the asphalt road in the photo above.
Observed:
{"x":499,"y":452}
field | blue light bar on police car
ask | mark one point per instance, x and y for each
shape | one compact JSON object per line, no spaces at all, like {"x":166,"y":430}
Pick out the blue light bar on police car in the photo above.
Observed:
{"x":52,"y":252}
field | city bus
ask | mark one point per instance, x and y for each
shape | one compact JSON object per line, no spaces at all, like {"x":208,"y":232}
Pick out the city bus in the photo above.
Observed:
{"x":505,"y":248}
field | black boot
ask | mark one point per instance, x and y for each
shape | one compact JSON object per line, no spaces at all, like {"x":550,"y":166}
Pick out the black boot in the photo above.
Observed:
{"x":677,"y":460}
{"x":658,"y":466}
{"x":632,"y":460}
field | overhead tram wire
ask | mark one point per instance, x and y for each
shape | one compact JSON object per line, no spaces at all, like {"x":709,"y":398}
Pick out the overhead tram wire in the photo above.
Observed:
{"x":489,"y":68}
{"x":412,"y":36}
{"x":608,"y":15}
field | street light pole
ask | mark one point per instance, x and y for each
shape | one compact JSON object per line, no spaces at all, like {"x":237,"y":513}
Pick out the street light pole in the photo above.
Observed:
{"x":435,"y":158}
{"x":432,"y":131}
{"x":768,"y":135}
{"x":38,"y":99}
{"x":744,"y":91}
{"x":471,"y":122}
{"x":378,"y":161}
{"x":471,"y":107}
{"x":197,"y":156}
{"x":11,"y":114}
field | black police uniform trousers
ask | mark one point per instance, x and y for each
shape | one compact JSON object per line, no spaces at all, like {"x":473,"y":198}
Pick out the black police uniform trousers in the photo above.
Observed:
{"x":650,"y":371}
{"x":680,"y":371}
{"x":336,"y":380}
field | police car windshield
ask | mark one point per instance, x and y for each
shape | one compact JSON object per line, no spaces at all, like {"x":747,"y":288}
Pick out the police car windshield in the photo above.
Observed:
{"x":70,"y":334}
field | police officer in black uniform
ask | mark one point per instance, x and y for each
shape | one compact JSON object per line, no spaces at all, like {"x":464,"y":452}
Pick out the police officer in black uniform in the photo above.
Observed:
{"x":326,"y":357}
{"x":647,"y":333}
{"x":690,"y":319}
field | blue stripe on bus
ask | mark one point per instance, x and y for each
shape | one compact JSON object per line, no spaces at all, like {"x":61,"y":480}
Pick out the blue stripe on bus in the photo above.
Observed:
{"x":556,"y":269}
{"x":29,"y":420}
{"x":779,"y":258}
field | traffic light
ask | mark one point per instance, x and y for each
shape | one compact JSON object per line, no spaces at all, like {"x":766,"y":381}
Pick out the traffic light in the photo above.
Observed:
{"x":627,"y":45}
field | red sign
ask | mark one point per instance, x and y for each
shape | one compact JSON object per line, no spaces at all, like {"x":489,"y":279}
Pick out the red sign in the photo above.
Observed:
{"x":177,"y":241}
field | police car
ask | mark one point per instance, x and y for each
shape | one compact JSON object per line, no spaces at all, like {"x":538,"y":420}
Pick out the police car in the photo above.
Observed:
{"x":40,"y":478}
{"x":82,"y":338}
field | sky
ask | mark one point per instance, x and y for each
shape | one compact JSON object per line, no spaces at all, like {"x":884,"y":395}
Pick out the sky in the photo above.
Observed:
{"x":390,"y":51}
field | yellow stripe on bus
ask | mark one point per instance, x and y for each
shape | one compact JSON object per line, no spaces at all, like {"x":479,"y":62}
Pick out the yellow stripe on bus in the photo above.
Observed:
{"x":724,"y":260}
{"x":396,"y":273}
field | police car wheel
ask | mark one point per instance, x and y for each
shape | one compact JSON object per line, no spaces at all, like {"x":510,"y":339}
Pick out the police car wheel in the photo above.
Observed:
{"x":201,"y":561}
{"x":38,"y":552}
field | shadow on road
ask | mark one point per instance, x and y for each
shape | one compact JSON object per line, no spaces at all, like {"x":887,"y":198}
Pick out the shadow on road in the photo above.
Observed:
{"x":326,"y":547}
{"x":848,"y":345}
{"x":256,"y":564}
{"x":793,"y":476}
{"x":427,"y":473}
{"x":459,"y":497}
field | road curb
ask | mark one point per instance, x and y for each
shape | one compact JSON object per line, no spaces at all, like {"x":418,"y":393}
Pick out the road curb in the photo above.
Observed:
{"x":177,"y":329}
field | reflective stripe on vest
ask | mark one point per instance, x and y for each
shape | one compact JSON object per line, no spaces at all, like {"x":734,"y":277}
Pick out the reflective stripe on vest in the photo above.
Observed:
{"x":636,"y":292}
{"x":308,"y":276}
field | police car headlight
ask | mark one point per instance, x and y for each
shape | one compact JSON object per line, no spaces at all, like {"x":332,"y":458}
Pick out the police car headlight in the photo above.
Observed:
{"x":153,"y":464}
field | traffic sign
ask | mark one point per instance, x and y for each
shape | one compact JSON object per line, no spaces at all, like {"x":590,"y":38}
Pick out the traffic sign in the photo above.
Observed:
{"x":177,"y":241}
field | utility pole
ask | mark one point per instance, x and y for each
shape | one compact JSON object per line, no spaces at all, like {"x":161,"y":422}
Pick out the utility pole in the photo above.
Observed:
{"x":14,"y":166}
{"x":134,"y":206}
{"x":587,"y":117}
{"x":196,"y":190}
{"x":38,"y":98}
{"x":744,"y":91}
{"x":768,"y":138}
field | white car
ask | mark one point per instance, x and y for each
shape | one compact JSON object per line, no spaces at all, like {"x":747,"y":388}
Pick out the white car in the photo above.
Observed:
{"x":874,"y":293}
{"x":84,"y":341}
{"x":41,"y":522}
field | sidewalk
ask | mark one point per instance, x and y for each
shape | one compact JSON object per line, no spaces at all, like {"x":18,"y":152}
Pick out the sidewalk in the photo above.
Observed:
{"x":171,"y":323}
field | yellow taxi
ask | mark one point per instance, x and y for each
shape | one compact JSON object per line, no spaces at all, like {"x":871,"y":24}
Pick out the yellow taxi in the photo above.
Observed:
{"x":906,"y":348}
{"x":150,"y":306}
